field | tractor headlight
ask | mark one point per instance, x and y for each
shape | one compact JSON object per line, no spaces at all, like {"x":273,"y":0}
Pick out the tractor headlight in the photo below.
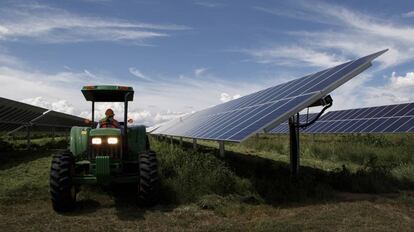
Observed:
{"x":96,"y":141}
{"x":112,"y":140}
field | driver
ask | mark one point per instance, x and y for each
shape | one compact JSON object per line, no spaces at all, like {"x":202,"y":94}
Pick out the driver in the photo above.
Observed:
{"x":109,"y":121}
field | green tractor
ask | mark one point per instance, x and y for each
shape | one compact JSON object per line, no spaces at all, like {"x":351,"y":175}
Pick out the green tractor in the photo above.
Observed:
{"x":104,"y":155}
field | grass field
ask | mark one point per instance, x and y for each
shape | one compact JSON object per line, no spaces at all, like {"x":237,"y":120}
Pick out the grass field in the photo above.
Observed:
{"x":347,"y":183}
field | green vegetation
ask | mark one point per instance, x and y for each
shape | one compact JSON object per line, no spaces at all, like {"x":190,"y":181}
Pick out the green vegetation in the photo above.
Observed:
{"x":347,"y":183}
{"x":36,"y":143}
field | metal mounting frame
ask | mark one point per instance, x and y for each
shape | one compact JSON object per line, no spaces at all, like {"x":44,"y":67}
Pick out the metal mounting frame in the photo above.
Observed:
{"x":294,"y":133}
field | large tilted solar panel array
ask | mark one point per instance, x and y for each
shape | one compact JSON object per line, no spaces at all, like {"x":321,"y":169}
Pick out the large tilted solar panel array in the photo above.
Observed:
{"x":238,"y":119}
{"x":14,"y":114}
{"x":381,"y":119}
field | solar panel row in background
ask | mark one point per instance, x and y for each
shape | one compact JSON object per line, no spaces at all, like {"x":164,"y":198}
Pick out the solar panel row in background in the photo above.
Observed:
{"x":240,"y":118}
{"x":14,"y":114}
{"x":397,"y":118}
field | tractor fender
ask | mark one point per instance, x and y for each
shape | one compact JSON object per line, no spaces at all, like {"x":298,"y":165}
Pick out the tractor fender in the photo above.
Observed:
{"x":137,"y":141}
{"x":79,"y":140}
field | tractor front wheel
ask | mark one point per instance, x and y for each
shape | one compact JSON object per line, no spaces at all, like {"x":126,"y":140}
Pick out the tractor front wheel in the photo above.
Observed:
{"x":148,"y":178}
{"x":62,"y":190}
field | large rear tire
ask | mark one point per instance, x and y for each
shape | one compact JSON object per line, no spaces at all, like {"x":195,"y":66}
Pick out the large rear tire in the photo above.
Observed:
{"x":148,"y":179}
{"x":62,"y":190}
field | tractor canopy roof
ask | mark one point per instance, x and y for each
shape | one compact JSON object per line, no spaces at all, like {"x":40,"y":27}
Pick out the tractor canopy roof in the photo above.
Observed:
{"x":108,"y":93}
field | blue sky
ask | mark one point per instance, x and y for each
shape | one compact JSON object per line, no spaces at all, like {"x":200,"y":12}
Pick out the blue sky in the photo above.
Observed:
{"x":183,"y":56}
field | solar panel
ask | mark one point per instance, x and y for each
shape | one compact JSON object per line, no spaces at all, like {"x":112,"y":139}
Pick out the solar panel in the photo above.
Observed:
{"x":238,"y":119}
{"x":14,"y":115}
{"x":58,"y":119}
{"x":397,"y":118}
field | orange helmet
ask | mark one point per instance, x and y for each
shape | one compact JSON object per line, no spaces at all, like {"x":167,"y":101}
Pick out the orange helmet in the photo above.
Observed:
{"x":109,"y":112}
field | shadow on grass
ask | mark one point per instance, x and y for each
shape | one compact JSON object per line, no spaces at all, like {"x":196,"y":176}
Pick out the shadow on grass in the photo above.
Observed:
{"x":125,"y":203}
{"x":275,"y":185}
{"x":125,"y":198}
{"x":86,"y":206}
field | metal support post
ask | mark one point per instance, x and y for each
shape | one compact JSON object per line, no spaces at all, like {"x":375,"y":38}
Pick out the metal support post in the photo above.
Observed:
{"x":125,"y":141}
{"x":53,"y":134}
{"x":93,"y":114}
{"x":28,"y":136}
{"x":195,"y":144}
{"x":221,"y":148}
{"x":294,"y":145}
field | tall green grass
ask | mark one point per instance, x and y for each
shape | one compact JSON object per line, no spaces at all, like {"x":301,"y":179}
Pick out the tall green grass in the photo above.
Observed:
{"x":36,"y":144}
{"x":391,"y":153}
{"x":259,"y":167}
{"x":186,"y":176}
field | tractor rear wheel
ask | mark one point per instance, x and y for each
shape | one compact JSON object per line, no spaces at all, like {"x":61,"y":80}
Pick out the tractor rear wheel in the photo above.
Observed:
{"x":148,"y":178}
{"x":62,"y":190}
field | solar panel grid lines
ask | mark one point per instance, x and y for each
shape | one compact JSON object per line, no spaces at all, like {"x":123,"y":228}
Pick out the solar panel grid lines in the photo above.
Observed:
{"x":262,"y":109}
{"x":371,"y":120}
{"x":408,"y":126}
{"x":267,"y":106}
{"x":392,"y":123}
{"x":344,"y":124}
{"x":14,"y":115}
{"x":392,"y":111}
{"x":381,"y":119}
{"x":238,"y":119}
{"x":241,"y":131}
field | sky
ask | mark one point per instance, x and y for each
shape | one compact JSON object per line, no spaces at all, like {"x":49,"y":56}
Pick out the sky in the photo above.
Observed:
{"x":184,"y":56}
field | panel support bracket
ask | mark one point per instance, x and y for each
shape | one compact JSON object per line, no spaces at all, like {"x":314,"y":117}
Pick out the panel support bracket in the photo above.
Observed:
{"x":294,"y":133}
{"x":195,"y":144}
{"x":294,"y":145}
{"x":221,"y":148}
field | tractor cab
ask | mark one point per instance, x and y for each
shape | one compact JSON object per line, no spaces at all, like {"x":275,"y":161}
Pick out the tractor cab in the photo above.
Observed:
{"x":111,"y":137}
{"x":103,"y":155}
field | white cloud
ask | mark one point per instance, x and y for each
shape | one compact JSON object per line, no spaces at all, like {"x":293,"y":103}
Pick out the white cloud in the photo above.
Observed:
{"x":138,"y":74}
{"x":57,"y":105}
{"x":52,"y":25}
{"x":409,"y":14}
{"x":225,"y":97}
{"x":199,"y":72}
{"x":139,"y":116}
{"x":294,"y":55}
{"x":8,"y":60}
{"x":352,"y":33}
{"x":358,"y":93}
{"x":89,"y":73}
{"x":402,"y":82}
{"x":210,"y":4}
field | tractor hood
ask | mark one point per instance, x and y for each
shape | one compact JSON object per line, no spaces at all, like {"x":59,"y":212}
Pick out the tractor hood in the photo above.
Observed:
{"x":105,"y":132}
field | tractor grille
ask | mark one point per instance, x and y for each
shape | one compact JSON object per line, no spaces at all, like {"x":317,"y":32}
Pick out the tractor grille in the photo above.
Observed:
{"x":113,"y":151}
